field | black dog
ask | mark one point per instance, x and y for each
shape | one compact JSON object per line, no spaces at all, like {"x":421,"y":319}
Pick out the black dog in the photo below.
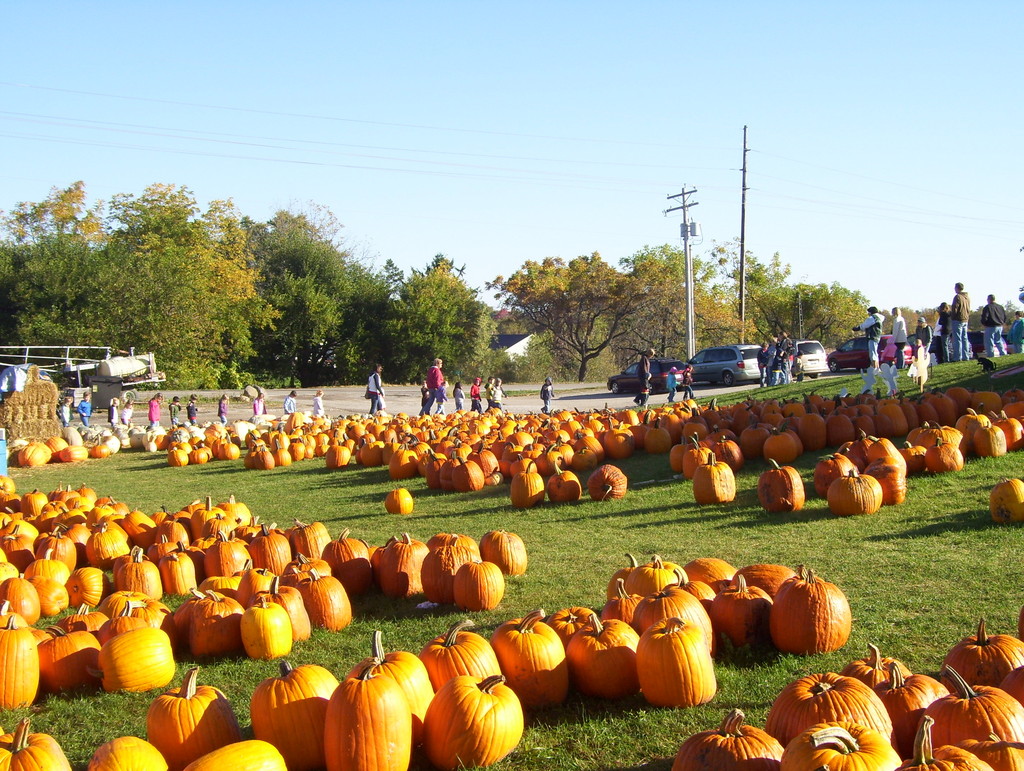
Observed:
{"x":986,"y":364}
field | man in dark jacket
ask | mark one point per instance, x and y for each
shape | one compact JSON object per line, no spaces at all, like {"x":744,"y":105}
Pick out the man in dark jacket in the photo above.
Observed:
{"x":643,"y":373}
{"x":993,"y":317}
{"x":764,"y":362}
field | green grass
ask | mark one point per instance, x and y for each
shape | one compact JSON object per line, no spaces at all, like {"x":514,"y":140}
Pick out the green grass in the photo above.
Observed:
{"x":918,"y":577}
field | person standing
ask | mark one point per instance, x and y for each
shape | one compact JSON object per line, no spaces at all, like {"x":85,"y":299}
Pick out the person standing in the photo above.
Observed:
{"x":474,"y":396}
{"x":435,"y":377}
{"x":259,"y":405}
{"x":872,"y":329}
{"x":222,"y":409}
{"x":66,"y":411}
{"x":174,"y":410}
{"x":993,"y":318}
{"x":114,"y":412}
{"x":942,"y":330}
{"x":460,"y":396}
{"x":672,"y":383}
{"x":489,"y":392}
{"x":440,"y":397}
{"x":127,"y":412}
{"x":959,"y":316}
{"x":290,"y":403}
{"x":192,"y":410}
{"x":899,"y":335}
{"x":686,"y":378}
{"x":1017,"y":332}
{"x":154,"y":410}
{"x":547,"y":393}
{"x":498,"y":394}
{"x":375,"y":388}
{"x":775,"y":377}
{"x":85,"y":409}
{"x":788,"y":348}
{"x":764,"y":363}
{"x":318,"y":404}
{"x":643,"y":373}
{"x":923,"y":333}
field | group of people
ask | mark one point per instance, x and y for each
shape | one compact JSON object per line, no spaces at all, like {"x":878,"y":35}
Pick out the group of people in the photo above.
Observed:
{"x":948,"y":341}
{"x":434,"y":392}
{"x":778,"y":361}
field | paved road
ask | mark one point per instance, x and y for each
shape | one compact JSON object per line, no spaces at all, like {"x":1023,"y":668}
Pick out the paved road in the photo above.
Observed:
{"x":347,"y":400}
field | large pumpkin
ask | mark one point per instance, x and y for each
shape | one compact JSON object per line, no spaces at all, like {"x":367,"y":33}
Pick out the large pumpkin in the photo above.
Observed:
{"x":780,"y":488}
{"x":733,"y":746}
{"x":607,"y":482}
{"x":810,"y":615}
{"x":532,"y":658}
{"x":674,"y":666}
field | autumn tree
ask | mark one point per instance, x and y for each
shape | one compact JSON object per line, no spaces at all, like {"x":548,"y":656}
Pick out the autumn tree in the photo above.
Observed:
{"x":585,"y":304}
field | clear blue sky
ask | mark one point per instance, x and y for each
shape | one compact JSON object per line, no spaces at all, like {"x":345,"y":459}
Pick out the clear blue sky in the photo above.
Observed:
{"x":885,"y":136}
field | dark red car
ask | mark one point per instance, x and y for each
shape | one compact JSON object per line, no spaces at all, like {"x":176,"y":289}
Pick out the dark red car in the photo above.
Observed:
{"x":853,"y":354}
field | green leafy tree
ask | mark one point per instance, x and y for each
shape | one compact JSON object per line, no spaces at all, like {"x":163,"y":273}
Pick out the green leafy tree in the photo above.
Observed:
{"x":329,"y":305}
{"x":435,"y":314}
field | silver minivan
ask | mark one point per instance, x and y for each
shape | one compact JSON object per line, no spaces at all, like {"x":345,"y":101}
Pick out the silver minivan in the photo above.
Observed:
{"x":726,"y":364}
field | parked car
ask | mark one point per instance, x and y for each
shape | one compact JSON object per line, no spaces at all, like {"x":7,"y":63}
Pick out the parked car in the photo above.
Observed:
{"x":628,"y":381}
{"x":853,"y":354}
{"x":726,"y":364}
{"x":810,"y":355}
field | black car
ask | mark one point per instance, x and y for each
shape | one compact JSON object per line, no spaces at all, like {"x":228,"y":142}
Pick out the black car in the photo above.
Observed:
{"x":628,"y":381}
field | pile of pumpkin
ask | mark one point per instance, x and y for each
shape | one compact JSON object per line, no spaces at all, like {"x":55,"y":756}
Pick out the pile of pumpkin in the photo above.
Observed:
{"x":875,"y":714}
{"x":250,"y":587}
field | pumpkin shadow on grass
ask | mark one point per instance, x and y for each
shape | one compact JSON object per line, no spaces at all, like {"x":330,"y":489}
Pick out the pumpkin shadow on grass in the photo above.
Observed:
{"x":958,"y":522}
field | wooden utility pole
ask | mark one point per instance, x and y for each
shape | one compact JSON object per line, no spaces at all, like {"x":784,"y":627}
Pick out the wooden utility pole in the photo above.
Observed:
{"x":743,"y":243}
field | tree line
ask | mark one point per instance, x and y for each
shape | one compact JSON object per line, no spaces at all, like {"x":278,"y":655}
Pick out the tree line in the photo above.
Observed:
{"x":224,"y":300}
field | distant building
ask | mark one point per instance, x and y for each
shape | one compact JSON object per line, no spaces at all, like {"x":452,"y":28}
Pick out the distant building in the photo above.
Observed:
{"x":513,"y":345}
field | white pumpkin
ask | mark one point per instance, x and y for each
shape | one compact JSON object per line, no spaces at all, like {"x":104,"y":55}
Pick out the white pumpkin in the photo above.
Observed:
{"x":113,"y":443}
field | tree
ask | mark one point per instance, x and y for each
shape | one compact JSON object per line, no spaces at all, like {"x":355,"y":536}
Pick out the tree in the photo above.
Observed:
{"x":437,"y":315}
{"x":586,"y":304}
{"x":329,"y":306}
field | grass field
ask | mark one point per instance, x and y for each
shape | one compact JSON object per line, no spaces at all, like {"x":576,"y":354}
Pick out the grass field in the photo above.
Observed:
{"x":918,"y":577}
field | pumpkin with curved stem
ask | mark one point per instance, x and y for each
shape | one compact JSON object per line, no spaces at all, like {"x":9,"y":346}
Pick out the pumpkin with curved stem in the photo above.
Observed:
{"x":602,"y":659}
{"x":733,"y":746}
{"x":290,"y":598}
{"x":826,"y":697}
{"x":840,"y":746}
{"x":694,"y":456}
{"x":289,"y":712}
{"x":24,"y":751}
{"x":984,"y":659}
{"x":714,"y":482}
{"x":780,"y":488}
{"x":925,"y":757}
{"x":829,"y":469}
{"x":622,"y":606}
{"x":309,"y":539}
{"x":472,"y":722}
{"x":408,"y":671}
{"x":349,"y":559}
{"x":972,"y":711}
{"x":905,"y":699}
{"x":532,"y":658}
{"x":766,"y":576}
{"x":326,"y":601}
{"x":1001,"y":755}
{"x":187,"y":722}
{"x":873,"y":668}
{"x":943,"y":457}
{"x":650,"y":577}
{"x":563,"y":486}
{"x":127,"y":752}
{"x":368,"y":724}
{"x":810,"y":615}
{"x":741,"y":613}
{"x":854,"y":494}
{"x":527,"y":489}
{"x":458,"y":652}
{"x":674,"y":666}
{"x":607,"y":482}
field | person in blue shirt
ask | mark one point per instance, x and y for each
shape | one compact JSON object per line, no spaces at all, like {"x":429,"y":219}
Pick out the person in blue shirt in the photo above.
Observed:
{"x":671,"y":383}
{"x":289,"y":403}
{"x":85,"y":409}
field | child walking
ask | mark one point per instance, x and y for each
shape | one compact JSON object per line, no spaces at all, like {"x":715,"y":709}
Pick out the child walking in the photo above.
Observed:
{"x":85,"y":409}
{"x":474,"y":396}
{"x":192,"y":410}
{"x":499,"y":395}
{"x":114,"y":412}
{"x":441,"y":396}
{"x":127,"y":412}
{"x":671,"y":382}
{"x":460,"y":396}
{"x":222,"y":409}
{"x":174,"y":410}
{"x":686,"y":379}
{"x":547,"y":393}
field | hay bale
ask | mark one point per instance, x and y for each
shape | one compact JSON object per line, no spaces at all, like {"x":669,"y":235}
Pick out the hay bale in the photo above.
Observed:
{"x":32,"y":413}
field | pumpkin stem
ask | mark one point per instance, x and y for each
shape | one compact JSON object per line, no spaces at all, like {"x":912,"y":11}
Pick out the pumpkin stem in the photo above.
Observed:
{"x":732,"y":723}
{"x":377,"y":646}
{"x":896,"y":677}
{"x":620,"y":589}
{"x":451,"y":636}
{"x":595,"y":622}
{"x":366,"y":667}
{"x":632,"y":560}
{"x":531,"y":618}
{"x":874,"y":659}
{"x":837,"y":738}
{"x":20,"y":740}
{"x":188,"y":684}
{"x":286,"y":668}
{"x":960,"y":686}
{"x":982,"y":636}
{"x":923,"y":742}
{"x":488,"y":684}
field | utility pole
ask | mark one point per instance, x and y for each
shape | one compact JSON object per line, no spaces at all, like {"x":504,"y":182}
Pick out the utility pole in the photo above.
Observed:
{"x":743,"y":243}
{"x":684,"y":205}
